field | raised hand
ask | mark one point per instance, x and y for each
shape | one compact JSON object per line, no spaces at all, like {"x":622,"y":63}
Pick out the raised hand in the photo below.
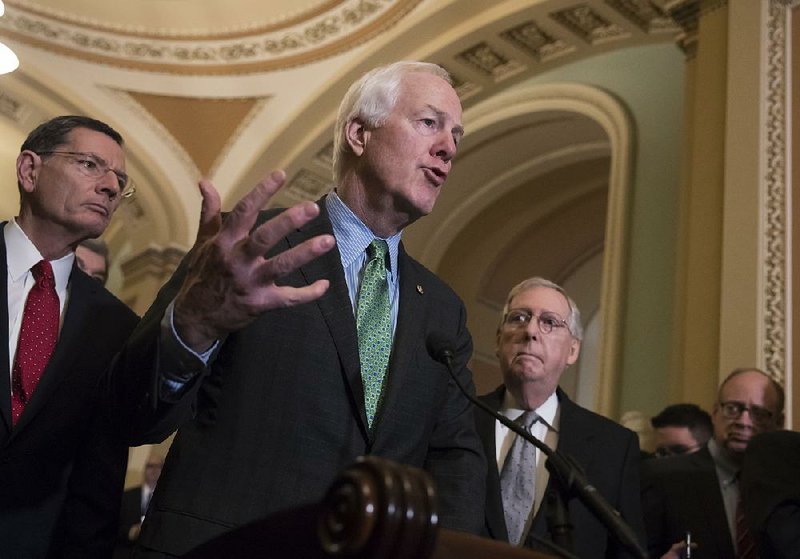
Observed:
{"x":230,"y":281}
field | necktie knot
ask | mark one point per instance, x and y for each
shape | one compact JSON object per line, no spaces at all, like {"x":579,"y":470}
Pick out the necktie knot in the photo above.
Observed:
{"x":377,"y":250}
{"x":528,"y":419}
{"x":43,"y":273}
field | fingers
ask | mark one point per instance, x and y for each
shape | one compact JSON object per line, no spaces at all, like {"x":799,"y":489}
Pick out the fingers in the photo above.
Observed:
{"x":243,"y":216}
{"x":285,"y":296}
{"x":269,"y":233}
{"x":209,"y":211}
{"x":286,"y":262}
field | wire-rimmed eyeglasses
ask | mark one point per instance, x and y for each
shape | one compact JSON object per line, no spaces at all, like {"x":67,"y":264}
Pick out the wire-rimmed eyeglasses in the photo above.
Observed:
{"x":546,"y":320}
{"x":94,"y":166}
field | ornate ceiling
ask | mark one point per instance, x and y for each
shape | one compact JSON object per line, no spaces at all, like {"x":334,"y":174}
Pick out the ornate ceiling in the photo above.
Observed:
{"x":231,"y":89}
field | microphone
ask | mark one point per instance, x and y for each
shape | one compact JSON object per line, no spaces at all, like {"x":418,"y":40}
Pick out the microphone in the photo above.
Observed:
{"x":564,"y":468}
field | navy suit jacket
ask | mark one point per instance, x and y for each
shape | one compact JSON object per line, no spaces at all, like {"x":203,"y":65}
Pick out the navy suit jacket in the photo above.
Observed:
{"x":770,"y":487}
{"x":609,"y":455}
{"x":280,"y":412}
{"x":61,"y":471}
{"x":682,"y":493}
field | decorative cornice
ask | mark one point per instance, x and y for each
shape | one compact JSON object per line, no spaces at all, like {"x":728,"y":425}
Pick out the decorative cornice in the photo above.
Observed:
{"x":249,"y":28}
{"x":330,"y":33}
{"x":687,"y":14}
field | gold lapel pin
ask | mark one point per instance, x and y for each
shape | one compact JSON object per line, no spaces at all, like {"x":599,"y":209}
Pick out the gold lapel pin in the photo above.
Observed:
{"x":420,"y":290}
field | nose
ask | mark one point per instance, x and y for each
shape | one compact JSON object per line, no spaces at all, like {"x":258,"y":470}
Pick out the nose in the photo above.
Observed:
{"x":532,"y":329}
{"x":109,"y":185}
{"x":445,"y":147}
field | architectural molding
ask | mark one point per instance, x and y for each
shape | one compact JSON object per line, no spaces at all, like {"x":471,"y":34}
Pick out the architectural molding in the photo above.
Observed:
{"x":776,"y":193}
{"x":342,"y":28}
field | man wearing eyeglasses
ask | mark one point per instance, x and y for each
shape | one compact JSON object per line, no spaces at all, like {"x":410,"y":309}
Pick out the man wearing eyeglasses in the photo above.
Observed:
{"x":61,"y":471}
{"x":538,"y":338}
{"x":699,"y":492}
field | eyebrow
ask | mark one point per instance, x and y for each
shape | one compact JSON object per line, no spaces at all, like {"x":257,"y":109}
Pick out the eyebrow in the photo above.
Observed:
{"x":457,"y":130}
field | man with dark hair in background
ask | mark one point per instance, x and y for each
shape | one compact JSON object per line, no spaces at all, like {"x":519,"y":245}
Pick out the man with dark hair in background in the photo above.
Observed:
{"x":699,"y":492}
{"x":61,"y":471}
{"x":681,"y":429}
{"x":92,"y":257}
{"x":291,"y":342}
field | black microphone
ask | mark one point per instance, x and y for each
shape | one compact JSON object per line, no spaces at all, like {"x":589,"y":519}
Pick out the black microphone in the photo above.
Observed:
{"x":564,"y":468}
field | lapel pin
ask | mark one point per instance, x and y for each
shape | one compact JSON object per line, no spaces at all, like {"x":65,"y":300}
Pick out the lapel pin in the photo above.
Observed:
{"x":420,"y":290}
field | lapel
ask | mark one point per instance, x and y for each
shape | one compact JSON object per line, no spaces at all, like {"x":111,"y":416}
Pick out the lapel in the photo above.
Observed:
{"x":485,"y":425}
{"x":71,"y":342}
{"x":5,"y":373}
{"x":575,"y":438}
{"x":336,"y":309}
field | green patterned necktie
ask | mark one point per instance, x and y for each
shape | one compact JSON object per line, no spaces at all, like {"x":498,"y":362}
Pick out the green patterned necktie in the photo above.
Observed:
{"x":374,"y":325}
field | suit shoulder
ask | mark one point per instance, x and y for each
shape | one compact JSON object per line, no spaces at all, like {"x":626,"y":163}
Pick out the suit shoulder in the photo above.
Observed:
{"x":599,"y":423}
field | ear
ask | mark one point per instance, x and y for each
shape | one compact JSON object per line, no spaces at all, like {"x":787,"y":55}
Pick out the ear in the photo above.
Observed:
{"x":574,"y":351}
{"x":357,"y":136}
{"x":28,"y":164}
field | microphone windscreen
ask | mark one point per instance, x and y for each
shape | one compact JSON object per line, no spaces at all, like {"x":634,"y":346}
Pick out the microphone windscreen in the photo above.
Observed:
{"x":440,"y":347}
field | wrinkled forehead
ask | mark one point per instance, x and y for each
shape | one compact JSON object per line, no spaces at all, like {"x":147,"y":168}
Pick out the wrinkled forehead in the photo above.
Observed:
{"x":749,"y":387}
{"x":542,"y":299}
{"x":424,"y":89}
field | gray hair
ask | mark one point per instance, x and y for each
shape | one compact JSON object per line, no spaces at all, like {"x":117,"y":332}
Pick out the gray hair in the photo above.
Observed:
{"x":372,"y":99}
{"x":574,"y":318}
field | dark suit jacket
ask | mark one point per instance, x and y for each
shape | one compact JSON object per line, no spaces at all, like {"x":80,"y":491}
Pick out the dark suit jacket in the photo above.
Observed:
{"x":682,"y":493}
{"x":609,"y":455}
{"x":770,"y":488}
{"x":61,"y":473}
{"x":281,"y":411}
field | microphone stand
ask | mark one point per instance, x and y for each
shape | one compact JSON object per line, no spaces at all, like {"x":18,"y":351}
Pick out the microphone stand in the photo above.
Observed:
{"x":570,"y":476}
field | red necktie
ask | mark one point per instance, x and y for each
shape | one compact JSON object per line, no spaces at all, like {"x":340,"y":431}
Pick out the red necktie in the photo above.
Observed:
{"x":745,"y":546}
{"x":37,"y":337}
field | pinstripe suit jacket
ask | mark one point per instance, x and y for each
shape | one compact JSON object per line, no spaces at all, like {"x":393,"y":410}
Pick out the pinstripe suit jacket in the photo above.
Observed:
{"x":280,"y":412}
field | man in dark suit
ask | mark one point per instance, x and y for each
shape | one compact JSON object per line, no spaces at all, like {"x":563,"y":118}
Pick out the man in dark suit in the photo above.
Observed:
{"x":699,"y":492}
{"x":538,"y":338}
{"x":61,"y":471}
{"x":771,"y":493}
{"x":289,"y":397}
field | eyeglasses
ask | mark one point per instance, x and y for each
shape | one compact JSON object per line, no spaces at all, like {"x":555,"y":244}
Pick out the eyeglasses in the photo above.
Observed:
{"x":674,"y":449}
{"x":547,"y":321}
{"x":734,"y":410}
{"x":94,"y":166}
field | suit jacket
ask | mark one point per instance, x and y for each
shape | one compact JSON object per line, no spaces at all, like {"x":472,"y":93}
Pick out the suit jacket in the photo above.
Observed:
{"x":61,"y":471}
{"x":770,"y":490}
{"x":682,"y":493}
{"x":609,"y":455}
{"x":280,"y":412}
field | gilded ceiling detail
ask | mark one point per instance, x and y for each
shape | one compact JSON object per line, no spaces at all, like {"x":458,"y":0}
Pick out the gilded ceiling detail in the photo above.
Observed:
{"x":347,"y":25}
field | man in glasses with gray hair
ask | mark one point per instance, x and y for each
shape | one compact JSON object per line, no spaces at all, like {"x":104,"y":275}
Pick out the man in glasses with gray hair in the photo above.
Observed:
{"x":699,"y":492}
{"x":538,"y":337}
